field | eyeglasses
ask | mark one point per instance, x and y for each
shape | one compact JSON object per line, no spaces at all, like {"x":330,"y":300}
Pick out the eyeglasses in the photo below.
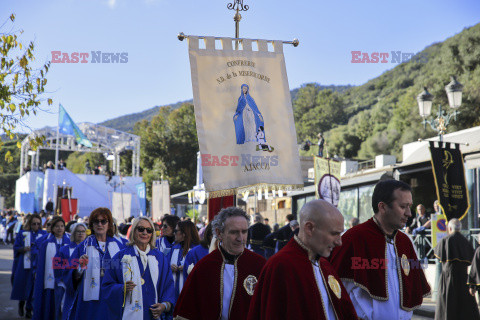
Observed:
{"x":141,"y":229}
{"x":164,"y":226}
{"x":103,"y":221}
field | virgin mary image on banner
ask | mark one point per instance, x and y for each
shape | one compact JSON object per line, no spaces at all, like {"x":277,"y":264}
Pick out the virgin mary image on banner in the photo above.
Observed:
{"x":249,"y":124}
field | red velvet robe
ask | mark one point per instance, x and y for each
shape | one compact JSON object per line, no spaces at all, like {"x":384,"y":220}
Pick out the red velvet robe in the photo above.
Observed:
{"x":362,"y":259}
{"x":287,"y":289}
{"x":202,"y":294}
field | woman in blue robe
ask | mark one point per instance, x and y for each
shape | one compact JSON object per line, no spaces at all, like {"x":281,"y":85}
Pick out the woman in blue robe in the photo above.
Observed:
{"x":186,"y":237}
{"x":165,"y":243}
{"x":94,"y":256}
{"x":117,"y":235}
{"x":247,"y":117}
{"x":139,"y":285}
{"x":44,"y":290}
{"x":198,"y":252}
{"x":23,"y":279}
{"x":63,"y":297}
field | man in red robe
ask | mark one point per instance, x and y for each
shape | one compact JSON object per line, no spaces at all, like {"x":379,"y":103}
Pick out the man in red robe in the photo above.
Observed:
{"x":221,"y":285}
{"x":298,"y":282}
{"x":377,"y":262}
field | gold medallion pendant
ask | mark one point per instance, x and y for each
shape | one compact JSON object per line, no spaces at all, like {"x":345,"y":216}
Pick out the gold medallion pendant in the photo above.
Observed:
{"x":142,"y":281}
{"x":405,"y":265}
{"x":335,"y":286}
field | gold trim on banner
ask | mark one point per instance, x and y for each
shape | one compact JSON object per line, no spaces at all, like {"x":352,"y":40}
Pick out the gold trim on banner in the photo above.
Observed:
{"x":440,"y":145}
{"x":255,"y":188}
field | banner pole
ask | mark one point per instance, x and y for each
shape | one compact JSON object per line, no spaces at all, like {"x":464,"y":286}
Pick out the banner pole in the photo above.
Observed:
{"x":181,"y":36}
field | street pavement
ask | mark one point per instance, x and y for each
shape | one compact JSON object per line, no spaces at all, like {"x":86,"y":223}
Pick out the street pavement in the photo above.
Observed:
{"x":9,"y":308}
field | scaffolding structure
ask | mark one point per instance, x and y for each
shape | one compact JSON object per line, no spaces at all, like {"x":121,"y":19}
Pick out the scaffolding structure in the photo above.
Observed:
{"x":108,"y":141}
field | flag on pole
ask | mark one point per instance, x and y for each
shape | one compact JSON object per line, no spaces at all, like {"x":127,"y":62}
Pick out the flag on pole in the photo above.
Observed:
{"x":67,"y":126}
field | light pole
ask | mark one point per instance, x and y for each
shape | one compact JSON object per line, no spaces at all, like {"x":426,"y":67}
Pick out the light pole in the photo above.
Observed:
{"x":440,"y":124}
{"x":441,"y":121}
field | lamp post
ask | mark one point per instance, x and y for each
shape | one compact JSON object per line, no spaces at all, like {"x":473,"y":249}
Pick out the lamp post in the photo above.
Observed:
{"x":440,"y":124}
{"x":441,"y":121}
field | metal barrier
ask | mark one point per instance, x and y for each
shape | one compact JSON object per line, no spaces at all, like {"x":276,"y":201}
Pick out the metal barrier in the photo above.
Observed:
{"x":423,"y":242}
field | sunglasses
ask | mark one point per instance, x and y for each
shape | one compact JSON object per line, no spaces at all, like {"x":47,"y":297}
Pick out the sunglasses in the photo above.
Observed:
{"x":103,"y":221}
{"x":141,"y":229}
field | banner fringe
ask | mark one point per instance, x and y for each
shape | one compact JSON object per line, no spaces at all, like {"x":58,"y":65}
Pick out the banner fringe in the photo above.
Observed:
{"x":254,"y":188}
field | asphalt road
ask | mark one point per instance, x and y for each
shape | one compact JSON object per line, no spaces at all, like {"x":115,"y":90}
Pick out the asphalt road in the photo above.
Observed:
{"x":8,"y":308}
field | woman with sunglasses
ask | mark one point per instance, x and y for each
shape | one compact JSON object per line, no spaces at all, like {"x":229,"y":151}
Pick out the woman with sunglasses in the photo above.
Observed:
{"x":94,"y":256}
{"x":139,"y":285}
{"x":45,"y":283}
{"x":186,"y":237}
{"x":165,"y":243}
{"x":22,"y":272}
{"x":77,"y":235}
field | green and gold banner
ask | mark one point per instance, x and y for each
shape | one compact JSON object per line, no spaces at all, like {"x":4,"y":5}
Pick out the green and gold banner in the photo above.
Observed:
{"x":450,"y":182}
{"x":327,"y":180}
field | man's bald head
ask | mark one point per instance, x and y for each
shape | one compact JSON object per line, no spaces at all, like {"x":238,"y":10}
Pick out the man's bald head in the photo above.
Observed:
{"x":321,"y":225}
{"x":317,"y":211}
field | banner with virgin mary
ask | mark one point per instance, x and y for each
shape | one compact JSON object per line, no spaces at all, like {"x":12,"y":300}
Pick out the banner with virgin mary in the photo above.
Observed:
{"x":244,"y":117}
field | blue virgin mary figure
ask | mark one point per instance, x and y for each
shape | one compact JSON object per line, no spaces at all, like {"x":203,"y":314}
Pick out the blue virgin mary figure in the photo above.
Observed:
{"x":247,"y":118}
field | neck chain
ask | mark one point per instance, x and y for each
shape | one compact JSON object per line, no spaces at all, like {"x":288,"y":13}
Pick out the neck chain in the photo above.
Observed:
{"x":389,"y":238}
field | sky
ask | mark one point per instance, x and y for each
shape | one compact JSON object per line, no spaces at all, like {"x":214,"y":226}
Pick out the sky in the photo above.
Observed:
{"x":158,"y":70}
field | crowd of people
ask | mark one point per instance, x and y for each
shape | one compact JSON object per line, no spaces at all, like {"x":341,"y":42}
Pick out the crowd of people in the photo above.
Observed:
{"x":92,"y":268}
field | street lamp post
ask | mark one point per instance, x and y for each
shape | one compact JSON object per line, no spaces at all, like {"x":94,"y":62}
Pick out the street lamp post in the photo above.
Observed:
{"x":440,"y":124}
{"x":442,"y":120}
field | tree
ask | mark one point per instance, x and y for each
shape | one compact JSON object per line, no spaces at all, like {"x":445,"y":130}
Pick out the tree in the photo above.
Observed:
{"x":169,"y":148}
{"x":317,"y":110}
{"x":21,"y":86}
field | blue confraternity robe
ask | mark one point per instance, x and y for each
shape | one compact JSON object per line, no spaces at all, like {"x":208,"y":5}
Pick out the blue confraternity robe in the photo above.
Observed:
{"x":112,"y":291}
{"x":44,"y":299}
{"x":22,"y":287}
{"x":94,"y":309}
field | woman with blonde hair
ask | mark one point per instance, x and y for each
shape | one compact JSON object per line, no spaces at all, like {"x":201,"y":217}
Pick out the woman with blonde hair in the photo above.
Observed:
{"x":140,"y":278}
{"x":186,"y":237}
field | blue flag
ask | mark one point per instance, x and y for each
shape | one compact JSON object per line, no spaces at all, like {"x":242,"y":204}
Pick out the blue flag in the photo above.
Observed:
{"x":67,"y":126}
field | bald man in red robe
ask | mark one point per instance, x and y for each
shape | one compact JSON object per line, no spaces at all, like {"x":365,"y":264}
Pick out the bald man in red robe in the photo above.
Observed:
{"x":298,"y":282}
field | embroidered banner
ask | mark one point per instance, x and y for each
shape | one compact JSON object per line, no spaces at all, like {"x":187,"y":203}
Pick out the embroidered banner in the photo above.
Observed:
{"x":450,"y":182}
{"x":244,"y":117}
{"x":327,"y":180}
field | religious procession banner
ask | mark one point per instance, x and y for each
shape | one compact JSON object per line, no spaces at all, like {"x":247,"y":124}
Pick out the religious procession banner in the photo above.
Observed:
{"x":244,"y":117}
{"x":450,"y":182}
{"x":327,"y":180}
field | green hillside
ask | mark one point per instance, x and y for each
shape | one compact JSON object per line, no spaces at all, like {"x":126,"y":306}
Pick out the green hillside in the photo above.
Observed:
{"x":382,"y":115}
{"x":127,"y":122}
